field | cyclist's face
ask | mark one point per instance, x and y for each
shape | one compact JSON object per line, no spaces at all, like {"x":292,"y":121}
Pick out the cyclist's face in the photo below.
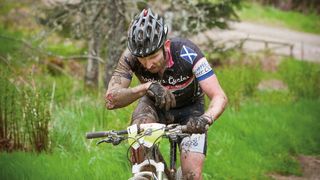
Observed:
{"x":153,"y":63}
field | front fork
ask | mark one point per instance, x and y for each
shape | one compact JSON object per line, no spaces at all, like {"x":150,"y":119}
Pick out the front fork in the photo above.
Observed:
{"x":173,"y":158}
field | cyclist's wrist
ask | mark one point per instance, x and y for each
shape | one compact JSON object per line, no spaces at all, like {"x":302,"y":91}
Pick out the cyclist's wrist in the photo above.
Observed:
{"x":147,"y":86}
{"x":210,"y":118}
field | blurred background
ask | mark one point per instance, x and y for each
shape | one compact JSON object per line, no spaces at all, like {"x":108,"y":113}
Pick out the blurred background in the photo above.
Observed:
{"x":57,"y":56}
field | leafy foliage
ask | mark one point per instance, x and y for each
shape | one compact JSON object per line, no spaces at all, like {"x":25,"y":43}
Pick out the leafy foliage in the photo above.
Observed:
{"x":303,"y":6}
{"x":99,"y":22}
{"x":186,"y":17}
{"x":309,"y":22}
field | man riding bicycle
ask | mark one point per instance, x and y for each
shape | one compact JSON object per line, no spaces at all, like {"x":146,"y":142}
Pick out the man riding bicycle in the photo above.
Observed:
{"x":174,"y":76}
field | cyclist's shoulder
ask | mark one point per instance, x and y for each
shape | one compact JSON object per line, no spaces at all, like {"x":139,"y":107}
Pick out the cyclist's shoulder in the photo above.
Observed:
{"x":127,"y":59}
{"x":185,"y":51}
{"x":127,"y":55}
{"x":179,"y":41}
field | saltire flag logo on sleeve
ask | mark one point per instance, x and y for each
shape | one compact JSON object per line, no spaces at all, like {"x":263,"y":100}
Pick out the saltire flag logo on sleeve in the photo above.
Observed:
{"x":188,"y":54}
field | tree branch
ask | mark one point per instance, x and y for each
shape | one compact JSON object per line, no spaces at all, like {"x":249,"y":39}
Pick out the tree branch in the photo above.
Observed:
{"x":49,"y":53}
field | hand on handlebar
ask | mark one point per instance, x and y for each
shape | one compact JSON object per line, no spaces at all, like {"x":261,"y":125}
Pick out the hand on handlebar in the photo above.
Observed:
{"x":163,"y":97}
{"x":198,"y":124}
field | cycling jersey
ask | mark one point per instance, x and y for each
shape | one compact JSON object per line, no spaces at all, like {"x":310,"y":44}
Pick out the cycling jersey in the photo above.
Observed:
{"x":186,"y":66}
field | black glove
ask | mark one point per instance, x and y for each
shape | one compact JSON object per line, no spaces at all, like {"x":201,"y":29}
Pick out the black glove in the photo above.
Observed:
{"x":163,"y":97}
{"x":198,"y":125}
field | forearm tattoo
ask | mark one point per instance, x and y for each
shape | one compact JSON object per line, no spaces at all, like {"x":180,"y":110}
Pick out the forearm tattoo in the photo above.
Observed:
{"x":116,"y":80}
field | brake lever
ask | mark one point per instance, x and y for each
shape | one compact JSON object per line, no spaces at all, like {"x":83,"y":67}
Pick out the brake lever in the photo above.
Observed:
{"x":106,"y":140}
{"x":177,"y":130}
{"x":117,"y":141}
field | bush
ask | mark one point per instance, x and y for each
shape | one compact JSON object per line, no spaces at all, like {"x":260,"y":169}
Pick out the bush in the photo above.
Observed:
{"x":303,"y":78}
{"x":24,"y":116}
{"x":238,"y":82}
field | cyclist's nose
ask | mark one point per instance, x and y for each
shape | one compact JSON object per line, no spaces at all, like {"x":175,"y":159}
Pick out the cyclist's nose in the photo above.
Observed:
{"x":149,"y":64}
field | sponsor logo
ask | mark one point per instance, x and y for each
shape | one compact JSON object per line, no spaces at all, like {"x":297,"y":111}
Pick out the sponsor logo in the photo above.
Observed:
{"x":171,"y":80}
{"x":201,"y":68}
{"x":174,"y":81}
{"x":146,"y":79}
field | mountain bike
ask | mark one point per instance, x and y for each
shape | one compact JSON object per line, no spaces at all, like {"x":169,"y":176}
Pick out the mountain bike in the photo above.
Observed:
{"x":149,"y":136}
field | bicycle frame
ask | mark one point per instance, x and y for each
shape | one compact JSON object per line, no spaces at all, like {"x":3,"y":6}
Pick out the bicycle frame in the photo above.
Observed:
{"x":151,"y":134}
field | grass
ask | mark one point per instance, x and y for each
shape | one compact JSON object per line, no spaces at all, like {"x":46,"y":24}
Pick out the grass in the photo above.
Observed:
{"x":7,"y":45}
{"x":303,"y":78}
{"x":99,"y":164}
{"x":263,"y":138}
{"x":248,"y":144}
{"x":269,"y":15}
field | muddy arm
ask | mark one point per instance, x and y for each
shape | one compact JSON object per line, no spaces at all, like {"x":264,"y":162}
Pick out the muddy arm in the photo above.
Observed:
{"x":119,"y":94}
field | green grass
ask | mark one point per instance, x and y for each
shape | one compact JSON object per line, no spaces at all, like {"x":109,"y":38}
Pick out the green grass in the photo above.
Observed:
{"x":303,"y":78}
{"x":65,"y":47}
{"x":259,"y":139}
{"x":7,"y":45}
{"x":98,"y":163}
{"x":272,"y":16}
{"x":263,"y":138}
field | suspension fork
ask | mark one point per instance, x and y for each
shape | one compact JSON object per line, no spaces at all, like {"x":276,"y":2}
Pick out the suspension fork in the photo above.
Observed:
{"x":173,"y":157}
{"x":171,"y":170}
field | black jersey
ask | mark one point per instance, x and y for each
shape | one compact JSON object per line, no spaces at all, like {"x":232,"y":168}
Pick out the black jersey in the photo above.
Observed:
{"x":186,"y":67}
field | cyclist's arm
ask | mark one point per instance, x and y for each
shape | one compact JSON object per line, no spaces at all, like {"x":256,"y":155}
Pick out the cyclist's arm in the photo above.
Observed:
{"x":213,"y":90}
{"x":119,"y":94}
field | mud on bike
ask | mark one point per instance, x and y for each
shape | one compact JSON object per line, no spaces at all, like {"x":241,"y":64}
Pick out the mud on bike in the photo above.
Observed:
{"x":148,"y":136}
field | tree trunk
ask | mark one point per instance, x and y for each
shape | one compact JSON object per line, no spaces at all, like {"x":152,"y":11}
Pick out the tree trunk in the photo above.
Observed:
{"x":116,"y":37}
{"x":92,"y":70}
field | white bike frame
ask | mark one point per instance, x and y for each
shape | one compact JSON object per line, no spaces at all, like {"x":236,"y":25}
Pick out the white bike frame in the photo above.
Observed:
{"x":159,"y":166}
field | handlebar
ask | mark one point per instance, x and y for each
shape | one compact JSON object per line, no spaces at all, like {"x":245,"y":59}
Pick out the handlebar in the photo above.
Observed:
{"x":99,"y":134}
{"x":171,"y":131}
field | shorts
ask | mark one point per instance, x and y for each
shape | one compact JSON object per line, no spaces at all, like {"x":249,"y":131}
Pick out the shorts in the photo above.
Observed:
{"x":147,"y":112}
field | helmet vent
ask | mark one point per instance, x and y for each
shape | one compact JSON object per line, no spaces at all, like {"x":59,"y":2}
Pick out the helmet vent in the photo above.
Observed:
{"x":146,"y":34}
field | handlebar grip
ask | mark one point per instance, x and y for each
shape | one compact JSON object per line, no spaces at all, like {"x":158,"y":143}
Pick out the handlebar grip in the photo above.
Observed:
{"x":99,"y":134}
{"x":122,"y":132}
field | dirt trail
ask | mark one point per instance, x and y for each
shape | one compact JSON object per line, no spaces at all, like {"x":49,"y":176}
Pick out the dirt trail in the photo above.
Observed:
{"x":310,"y":167}
{"x":306,"y":46}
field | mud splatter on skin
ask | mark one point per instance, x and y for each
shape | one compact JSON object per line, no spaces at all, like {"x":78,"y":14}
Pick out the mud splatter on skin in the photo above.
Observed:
{"x":109,"y":101}
{"x":112,"y":97}
{"x":116,"y":80}
{"x":144,"y":115}
{"x":190,"y":176}
{"x":143,"y":120}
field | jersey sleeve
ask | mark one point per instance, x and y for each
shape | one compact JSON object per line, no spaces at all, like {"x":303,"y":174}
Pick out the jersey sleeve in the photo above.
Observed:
{"x":123,"y":68}
{"x":202,"y":69}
